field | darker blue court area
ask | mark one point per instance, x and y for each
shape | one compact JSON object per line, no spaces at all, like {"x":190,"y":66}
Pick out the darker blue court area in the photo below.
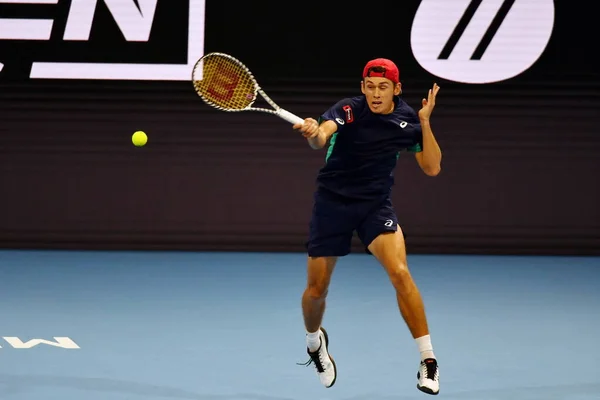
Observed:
{"x":228,"y":326}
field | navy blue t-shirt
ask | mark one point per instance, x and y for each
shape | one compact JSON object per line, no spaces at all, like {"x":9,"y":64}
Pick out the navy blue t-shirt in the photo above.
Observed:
{"x":362,"y":154}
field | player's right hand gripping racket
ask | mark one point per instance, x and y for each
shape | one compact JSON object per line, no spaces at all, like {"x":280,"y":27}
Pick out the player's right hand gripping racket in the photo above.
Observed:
{"x":224,"y":83}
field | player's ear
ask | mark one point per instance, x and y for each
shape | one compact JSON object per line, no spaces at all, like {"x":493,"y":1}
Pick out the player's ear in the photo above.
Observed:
{"x":362,"y":86}
{"x":398,"y":89}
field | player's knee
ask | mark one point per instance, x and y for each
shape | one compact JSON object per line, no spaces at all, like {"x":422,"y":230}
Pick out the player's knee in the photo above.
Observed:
{"x":319,"y":276}
{"x":317,"y":289}
{"x":401,"y":278}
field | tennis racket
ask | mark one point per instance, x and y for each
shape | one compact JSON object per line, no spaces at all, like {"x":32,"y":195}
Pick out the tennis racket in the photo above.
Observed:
{"x":225,"y":83}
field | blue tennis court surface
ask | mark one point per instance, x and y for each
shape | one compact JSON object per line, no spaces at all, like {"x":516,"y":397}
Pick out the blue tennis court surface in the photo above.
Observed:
{"x":228,"y":326}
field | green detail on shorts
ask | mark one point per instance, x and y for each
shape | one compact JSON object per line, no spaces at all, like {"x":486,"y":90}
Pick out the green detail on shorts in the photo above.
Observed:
{"x":330,"y":148}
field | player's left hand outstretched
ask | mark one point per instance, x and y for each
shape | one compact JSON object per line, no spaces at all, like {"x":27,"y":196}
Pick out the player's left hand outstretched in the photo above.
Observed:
{"x":309,"y":129}
{"x":429,"y":102}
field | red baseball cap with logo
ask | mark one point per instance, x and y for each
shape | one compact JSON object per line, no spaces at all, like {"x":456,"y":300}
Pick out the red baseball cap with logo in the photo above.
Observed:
{"x":390,"y":70}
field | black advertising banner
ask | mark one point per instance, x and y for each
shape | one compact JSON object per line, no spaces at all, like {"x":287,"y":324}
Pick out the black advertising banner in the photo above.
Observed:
{"x":516,"y":118}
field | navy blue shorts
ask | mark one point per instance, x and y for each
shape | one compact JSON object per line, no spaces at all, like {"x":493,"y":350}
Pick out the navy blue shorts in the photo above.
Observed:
{"x":335,"y":219}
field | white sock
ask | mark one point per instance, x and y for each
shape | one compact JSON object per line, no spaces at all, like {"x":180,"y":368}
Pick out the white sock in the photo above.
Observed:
{"x":313,"y":341}
{"x":425,"y":347}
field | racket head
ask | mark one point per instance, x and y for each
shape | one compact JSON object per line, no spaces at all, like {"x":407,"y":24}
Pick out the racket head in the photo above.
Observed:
{"x":224,"y":82}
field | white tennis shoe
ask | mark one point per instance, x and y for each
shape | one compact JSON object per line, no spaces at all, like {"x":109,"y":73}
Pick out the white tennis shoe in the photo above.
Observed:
{"x":323,"y":362}
{"x":428,"y":377}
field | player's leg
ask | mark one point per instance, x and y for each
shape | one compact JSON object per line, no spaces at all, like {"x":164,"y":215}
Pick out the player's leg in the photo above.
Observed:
{"x":319,"y":271}
{"x":330,"y":238}
{"x":389,"y":249}
{"x":384,"y":238}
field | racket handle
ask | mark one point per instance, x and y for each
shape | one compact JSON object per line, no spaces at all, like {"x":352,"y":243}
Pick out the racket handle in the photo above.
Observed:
{"x":289,"y":117}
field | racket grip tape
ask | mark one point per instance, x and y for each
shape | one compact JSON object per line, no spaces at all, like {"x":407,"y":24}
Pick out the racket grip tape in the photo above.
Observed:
{"x":289,"y":117}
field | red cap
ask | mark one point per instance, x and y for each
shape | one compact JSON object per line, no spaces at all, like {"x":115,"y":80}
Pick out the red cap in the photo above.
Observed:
{"x":391,"y":70}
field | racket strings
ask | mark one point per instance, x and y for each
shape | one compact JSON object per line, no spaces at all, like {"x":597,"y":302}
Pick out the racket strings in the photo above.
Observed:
{"x":225,"y":83}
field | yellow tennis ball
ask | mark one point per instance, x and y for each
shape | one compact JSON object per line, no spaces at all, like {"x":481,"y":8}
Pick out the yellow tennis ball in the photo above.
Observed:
{"x":139,"y":138}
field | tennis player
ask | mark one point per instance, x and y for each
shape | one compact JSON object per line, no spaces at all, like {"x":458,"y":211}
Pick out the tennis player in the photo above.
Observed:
{"x":366,"y":134}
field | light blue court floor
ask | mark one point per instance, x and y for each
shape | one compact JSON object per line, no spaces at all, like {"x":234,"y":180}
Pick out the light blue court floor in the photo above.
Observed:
{"x":228,"y":326}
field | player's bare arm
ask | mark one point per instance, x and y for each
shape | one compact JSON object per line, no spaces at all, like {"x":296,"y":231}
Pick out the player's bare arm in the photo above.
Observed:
{"x":430,"y":159}
{"x":317,"y":135}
